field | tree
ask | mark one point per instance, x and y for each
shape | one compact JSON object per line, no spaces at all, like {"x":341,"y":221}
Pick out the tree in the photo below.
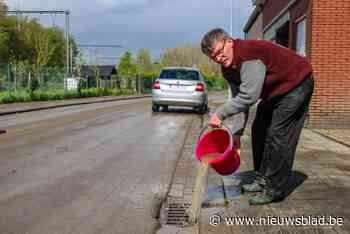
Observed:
{"x":4,"y":50}
{"x":79,"y":63}
{"x":24,"y":39}
{"x":43,"y":49}
{"x":144,"y":61}
{"x":78,"y":67}
{"x":75,"y":51}
{"x":4,"y":37}
{"x":95,"y":68}
{"x":29,"y":46}
{"x":57,"y":54}
{"x":156,"y":68}
{"x":3,"y":6}
{"x":127,"y":69}
{"x":190,"y":56}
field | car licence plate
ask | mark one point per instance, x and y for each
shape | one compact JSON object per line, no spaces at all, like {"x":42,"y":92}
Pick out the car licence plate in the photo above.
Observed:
{"x":177,"y":87}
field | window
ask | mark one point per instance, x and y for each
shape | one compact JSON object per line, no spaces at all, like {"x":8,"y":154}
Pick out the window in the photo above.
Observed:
{"x":179,"y":74}
{"x":301,"y":37}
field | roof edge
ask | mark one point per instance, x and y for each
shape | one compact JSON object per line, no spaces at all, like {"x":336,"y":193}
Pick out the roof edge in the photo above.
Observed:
{"x":252,"y":19}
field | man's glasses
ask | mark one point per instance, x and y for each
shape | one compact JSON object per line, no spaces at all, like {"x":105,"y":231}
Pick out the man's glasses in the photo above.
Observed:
{"x":220,"y":51}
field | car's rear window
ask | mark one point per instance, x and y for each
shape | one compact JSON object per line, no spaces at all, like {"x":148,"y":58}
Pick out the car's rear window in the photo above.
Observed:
{"x":179,"y":74}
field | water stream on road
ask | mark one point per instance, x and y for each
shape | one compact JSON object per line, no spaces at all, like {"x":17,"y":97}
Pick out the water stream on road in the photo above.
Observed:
{"x":200,"y":187}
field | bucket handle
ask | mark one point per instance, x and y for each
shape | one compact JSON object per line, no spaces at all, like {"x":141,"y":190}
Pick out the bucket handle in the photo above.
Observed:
{"x":213,"y":128}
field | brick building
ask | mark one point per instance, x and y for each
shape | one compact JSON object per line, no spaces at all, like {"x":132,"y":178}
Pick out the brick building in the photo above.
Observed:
{"x":319,"y":30}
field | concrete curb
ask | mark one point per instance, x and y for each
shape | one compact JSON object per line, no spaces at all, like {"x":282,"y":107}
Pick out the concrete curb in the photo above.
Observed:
{"x":181,"y":187}
{"x":55,"y":105}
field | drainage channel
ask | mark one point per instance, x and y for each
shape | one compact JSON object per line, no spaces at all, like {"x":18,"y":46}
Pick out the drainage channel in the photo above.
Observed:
{"x":2,"y":131}
{"x":176,"y":214}
{"x":176,"y":210}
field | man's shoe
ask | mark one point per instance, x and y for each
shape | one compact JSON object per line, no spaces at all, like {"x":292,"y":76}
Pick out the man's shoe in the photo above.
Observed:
{"x":263,"y":199}
{"x":252,"y":188}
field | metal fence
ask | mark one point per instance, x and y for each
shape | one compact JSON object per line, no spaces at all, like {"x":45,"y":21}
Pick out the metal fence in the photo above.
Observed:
{"x":138,"y":84}
{"x":22,"y":77}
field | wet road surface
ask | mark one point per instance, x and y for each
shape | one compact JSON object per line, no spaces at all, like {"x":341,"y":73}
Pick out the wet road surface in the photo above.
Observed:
{"x":97,"y":168}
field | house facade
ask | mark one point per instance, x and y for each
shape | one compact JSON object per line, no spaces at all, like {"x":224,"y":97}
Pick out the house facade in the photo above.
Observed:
{"x":318,"y":30}
{"x":253,"y":28}
{"x":105,"y":74}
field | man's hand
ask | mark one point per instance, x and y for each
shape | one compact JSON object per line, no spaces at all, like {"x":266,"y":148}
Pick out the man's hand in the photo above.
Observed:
{"x":215,"y":121}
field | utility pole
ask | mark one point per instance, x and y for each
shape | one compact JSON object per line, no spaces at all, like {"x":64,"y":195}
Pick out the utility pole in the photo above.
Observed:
{"x":231,"y":18}
{"x":231,"y":34}
{"x":67,"y":51}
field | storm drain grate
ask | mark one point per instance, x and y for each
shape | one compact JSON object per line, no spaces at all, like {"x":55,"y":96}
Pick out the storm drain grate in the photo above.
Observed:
{"x":176,"y":214}
{"x":2,"y":131}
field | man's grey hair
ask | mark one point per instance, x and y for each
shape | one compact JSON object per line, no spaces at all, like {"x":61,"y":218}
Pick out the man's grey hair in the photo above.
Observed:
{"x":216,"y":34}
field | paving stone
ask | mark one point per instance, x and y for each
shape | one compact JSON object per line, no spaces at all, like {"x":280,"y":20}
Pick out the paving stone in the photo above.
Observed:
{"x":176,"y":192}
{"x":215,"y":196}
{"x":179,"y":181}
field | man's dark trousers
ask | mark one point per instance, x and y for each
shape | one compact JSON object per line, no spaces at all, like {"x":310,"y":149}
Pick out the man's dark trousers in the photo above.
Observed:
{"x":275,"y":134}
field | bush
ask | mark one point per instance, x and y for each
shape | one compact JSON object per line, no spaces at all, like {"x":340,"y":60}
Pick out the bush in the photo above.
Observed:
{"x":57,"y":95}
{"x":34,"y":85}
{"x":22,"y":96}
{"x":215,"y":82}
{"x":81,"y":85}
{"x":7,"y":97}
{"x":38,"y":95}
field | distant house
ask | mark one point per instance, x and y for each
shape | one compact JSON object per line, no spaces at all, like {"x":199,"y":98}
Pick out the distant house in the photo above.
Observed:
{"x":318,"y":30}
{"x":107,"y":75}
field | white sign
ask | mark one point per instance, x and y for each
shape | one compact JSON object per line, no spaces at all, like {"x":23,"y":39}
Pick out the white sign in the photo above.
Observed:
{"x":72,"y":83}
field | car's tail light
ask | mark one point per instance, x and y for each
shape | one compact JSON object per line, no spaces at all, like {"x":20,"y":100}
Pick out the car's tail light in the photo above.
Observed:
{"x":156,"y":85}
{"x":200,"y":87}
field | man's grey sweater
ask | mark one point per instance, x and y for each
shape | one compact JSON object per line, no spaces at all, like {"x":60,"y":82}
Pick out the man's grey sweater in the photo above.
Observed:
{"x":246,"y":87}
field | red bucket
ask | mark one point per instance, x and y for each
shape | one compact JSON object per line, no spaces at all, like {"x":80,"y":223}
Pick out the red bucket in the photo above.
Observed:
{"x":218,"y":142}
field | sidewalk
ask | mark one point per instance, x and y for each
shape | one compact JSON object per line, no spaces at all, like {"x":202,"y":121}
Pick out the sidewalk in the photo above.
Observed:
{"x":13,"y":108}
{"x":341,"y":136}
{"x":320,"y":187}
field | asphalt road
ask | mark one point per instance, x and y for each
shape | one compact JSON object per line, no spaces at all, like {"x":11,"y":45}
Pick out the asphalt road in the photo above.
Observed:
{"x":97,"y":168}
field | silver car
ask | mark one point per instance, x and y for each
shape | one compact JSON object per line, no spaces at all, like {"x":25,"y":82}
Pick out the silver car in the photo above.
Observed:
{"x":180,"y":86}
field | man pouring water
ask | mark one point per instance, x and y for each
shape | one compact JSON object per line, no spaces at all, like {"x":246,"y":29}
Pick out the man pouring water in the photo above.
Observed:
{"x":282,"y":81}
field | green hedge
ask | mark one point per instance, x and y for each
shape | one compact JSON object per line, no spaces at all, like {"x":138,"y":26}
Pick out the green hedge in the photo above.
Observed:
{"x":215,"y":83}
{"x":24,"y":96}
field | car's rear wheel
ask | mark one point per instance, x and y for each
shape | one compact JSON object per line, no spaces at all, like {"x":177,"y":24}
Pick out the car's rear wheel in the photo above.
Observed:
{"x":165,"y":108}
{"x":155,"y":108}
{"x":203,"y":109}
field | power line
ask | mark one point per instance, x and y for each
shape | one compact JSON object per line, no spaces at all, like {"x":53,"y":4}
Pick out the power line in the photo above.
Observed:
{"x":96,"y":46}
{"x":36,"y":12}
{"x":110,"y":57}
{"x":100,"y":46}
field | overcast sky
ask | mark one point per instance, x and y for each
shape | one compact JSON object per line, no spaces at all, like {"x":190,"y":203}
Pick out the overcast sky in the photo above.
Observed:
{"x":134,"y":24}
